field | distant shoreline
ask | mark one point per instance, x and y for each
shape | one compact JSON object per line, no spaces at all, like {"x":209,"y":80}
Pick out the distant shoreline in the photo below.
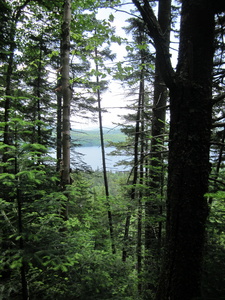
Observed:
{"x":91,"y":138}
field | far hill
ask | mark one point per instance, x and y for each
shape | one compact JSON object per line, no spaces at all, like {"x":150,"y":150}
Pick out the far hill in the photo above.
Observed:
{"x":91,"y":137}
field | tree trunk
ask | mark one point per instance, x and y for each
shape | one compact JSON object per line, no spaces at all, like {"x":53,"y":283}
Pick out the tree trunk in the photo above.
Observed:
{"x":39,"y":92}
{"x":23,"y":280}
{"x":136,"y":164}
{"x":189,"y":155}
{"x":59,"y":132}
{"x":140,"y":196}
{"x":67,"y":94}
{"x":7,"y":138}
{"x":9,"y":72}
{"x":109,"y":212}
{"x":59,"y":113}
{"x":188,"y":168}
{"x":153,"y":206}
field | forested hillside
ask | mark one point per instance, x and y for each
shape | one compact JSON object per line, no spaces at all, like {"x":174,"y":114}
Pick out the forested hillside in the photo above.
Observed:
{"x":155,"y":230}
{"x":89,"y":138}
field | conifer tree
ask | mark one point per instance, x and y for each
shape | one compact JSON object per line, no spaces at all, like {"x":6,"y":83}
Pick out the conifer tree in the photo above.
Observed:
{"x":188,"y":167}
{"x":67,"y":94}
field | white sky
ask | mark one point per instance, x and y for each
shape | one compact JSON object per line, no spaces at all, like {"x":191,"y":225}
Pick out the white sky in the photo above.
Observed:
{"x":115,"y":97}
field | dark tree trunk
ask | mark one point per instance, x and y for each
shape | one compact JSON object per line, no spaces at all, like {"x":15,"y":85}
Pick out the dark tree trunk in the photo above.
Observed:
{"x":8,"y":90}
{"x":220,"y":156}
{"x":188,"y":168}
{"x":109,"y":212}
{"x":189,"y":155}
{"x":9,"y":72}
{"x":59,"y":132}
{"x":136,"y":164}
{"x":39,"y":92}
{"x":153,"y":206}
{"x":59,"y":114}
{"x":140,"y":195}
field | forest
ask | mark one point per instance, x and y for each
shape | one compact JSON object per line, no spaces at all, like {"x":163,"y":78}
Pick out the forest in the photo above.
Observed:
{"x":91,"y":137}
{"x":153,"y":232}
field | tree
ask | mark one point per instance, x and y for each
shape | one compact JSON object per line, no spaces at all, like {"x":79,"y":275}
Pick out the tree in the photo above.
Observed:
{"x":135,"y":74}
{"x":15,"y":17}
{"x":156,"y":175}
{"x":107,"y":195}
{"x":4,"y":35}
{"x":188,"y":170}
{"x":67,"y":94}
{"x":45,"y":254}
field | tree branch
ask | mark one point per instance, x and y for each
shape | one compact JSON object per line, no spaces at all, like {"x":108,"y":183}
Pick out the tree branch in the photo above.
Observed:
{"x":215,"y":125}
{"x":218,"y":99}
{"x":155,"y":32}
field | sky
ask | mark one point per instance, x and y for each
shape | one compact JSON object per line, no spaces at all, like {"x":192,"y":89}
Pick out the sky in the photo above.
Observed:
{"x":114,"y":98}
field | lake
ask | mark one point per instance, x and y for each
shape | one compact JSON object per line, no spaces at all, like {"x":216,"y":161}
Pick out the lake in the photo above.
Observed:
{"x":92,"y":156}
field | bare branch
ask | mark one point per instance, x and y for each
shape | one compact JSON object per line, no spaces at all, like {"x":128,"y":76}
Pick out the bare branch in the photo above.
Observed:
{"x":218,"y":99}
{"x":218,"y":125}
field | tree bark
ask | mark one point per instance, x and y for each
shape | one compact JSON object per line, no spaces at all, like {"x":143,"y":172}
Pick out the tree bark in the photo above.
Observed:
{"x":59,"y":132}
{"x":38,"y":91}
{"x":59,"y":115}
{"x":153,"y":206}
{"x":188,"y":168}
{"x":67,"y":95}
{"x":189,"y":155}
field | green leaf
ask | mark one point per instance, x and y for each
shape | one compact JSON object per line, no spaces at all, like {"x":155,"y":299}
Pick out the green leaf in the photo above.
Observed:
{"x":129,"y":48}
{"x":4,"y":177}
{"x":34,"y":146}
{"x":111,"y":17}
{"x":3,"y":146}
{"x":17,"y":263}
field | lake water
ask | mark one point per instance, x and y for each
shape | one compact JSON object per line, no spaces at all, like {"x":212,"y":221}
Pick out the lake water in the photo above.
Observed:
{"x":92,"y":156}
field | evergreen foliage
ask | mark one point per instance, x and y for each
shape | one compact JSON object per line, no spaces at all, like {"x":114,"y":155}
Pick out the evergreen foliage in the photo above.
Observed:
{"x":47,"y":256}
